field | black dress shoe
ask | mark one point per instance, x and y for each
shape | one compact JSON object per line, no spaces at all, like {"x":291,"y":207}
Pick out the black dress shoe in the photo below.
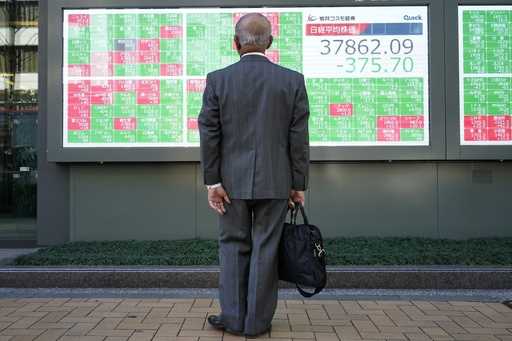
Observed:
{"x":216,"y":322}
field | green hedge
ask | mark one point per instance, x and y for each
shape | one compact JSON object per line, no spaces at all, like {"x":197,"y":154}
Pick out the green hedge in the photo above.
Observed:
{"x":340,"y":251}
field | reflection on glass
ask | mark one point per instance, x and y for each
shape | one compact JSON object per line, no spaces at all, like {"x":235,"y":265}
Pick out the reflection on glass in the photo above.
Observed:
{"x":18,"y":118}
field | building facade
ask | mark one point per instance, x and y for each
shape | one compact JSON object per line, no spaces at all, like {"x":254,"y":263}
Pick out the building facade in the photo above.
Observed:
{"x":445,"y":192}
{"x":18,"y":121}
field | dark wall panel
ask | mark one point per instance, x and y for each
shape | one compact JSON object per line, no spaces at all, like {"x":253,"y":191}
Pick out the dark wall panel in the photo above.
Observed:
{"x":132,"y":201}
{"x":423,"y":199}
{"x":374,"y":199}
{"x":207,"y":221}
{"x":475,"y":199}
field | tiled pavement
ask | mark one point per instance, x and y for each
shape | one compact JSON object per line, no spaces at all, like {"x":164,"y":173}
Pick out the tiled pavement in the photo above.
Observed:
{"x":116,"y":319}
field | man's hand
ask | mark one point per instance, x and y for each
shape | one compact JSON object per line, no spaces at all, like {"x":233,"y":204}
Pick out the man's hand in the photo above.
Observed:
{"x":296,"y":197}
{"x":216,"y":198}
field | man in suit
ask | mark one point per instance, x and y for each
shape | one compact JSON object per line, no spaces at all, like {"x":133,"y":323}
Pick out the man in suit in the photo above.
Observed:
{"x":254,"y":138}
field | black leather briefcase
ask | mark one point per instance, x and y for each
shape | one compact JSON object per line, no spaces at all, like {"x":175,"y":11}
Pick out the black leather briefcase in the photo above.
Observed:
{"x":302,"y":254}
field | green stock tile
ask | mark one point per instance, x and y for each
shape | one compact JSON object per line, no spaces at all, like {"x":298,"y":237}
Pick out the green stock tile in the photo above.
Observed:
{"x":78,"y":33}
{"x":410,"y":108}
{"x":147,"y":123}
{"x":498,"y":96}
{"x":120,"y":32}
{"x":473,"y":16}
{"x":170,"y":57}
{"x":171,"y":85}
{"x":170,"y":19}
{"x":102,"y":110}
{"x":411,"y":134}
{"x":101,"y":44}
{"x":192,"y":136}
{"x":151,"y":110}
{"x":387,"y":108}
{"x":148,"y":69}
{"x":172,"y":98}
{"x":499,"y":83}
{"x":101,"y":123}
{"x":148,"y":32}
{"x":364,"y":135}
{"x":172,"y":45}
{"x":342,"y":122}
{"x":124,"y":136}
{"x":78,"y":136}
{"x":474,"y":68}
{"x":125,"y":69}
{"x":79,"y":45}
{"x":146,"y":136}
{"x":78,"y":57}
{"x":125,"y":98}
{"x":474,"y":97}
{"x":475,"y":109}
{"x":102,"y":136}
{"x":170,"y":135}
{"x":124,"y":110}
{"x":363,"y":122}
{"x":194,"y":69}
{"x":171,"y":110}
{"x":344,"y":135}
{"x":100,"y":21}
{"x":501,"y":108}
{"x":289,"y":18}
{"x":169,"y":123}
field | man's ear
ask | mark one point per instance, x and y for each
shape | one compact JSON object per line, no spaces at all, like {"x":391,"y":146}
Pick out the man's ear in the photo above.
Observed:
{"x":237,"y":42}
{"x":270,"y":40}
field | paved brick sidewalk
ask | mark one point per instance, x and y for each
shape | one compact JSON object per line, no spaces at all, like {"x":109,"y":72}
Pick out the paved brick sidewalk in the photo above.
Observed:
{"x":114,"y":319}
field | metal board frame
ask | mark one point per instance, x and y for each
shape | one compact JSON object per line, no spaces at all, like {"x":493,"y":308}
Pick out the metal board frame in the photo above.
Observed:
{"x":436,"y":150}
{"x":53,"y":187}
{"x":454,"y":150}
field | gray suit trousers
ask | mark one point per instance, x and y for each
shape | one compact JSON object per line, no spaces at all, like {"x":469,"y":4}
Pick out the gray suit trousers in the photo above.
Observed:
{"x":248,"y":252}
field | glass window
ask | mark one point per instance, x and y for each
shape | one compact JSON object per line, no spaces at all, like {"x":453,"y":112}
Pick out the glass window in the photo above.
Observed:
{"x":18,"y":119}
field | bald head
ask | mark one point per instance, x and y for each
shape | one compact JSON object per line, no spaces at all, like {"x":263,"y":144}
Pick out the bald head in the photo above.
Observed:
{"x":253,"y":33}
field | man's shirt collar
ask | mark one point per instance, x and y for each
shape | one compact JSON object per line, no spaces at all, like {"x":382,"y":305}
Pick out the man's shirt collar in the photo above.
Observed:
{"x":253,"y":53}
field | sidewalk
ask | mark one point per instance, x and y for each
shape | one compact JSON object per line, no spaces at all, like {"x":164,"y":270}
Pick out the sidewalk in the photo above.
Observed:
{"x":116,"y":319}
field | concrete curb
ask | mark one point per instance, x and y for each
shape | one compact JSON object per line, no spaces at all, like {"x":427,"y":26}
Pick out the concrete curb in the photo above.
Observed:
{"x":357,"y":277}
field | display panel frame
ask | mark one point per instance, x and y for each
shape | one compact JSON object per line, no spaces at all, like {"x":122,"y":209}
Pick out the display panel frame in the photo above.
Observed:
{"x":54,"y":94}
{"x":454,"y":149}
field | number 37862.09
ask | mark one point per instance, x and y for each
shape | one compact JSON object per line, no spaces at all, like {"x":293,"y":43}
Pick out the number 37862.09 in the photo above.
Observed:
{"x":366,"y":46}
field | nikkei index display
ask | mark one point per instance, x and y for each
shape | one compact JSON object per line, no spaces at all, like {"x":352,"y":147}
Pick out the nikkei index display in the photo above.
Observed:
{"x":135,"y":77}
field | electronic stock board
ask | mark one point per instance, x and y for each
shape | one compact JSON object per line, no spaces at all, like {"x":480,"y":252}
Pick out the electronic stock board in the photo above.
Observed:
{"x":485,"y":75}
{"x":135,"y":77}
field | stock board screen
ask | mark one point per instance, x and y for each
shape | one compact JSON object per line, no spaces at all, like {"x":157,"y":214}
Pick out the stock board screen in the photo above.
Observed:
{"x":135,"y":77}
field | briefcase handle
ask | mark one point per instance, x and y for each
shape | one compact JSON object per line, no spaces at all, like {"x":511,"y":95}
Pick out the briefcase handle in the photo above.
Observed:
{"x":294,"y":212}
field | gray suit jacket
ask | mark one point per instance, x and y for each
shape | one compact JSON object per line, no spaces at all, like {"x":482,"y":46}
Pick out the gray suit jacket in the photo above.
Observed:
{"x":253,"y":129}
